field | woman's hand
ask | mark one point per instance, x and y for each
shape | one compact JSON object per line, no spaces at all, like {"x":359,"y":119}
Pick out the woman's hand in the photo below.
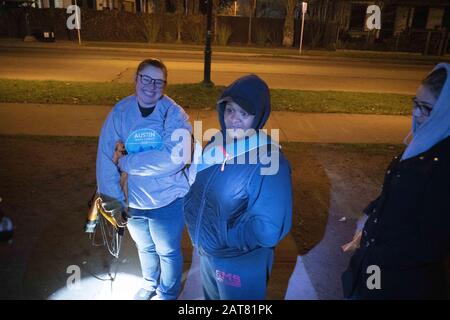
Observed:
{"x":124,"y":184}
{"x":119,"y":152}
{"x":122,"y":218}
{"x":354,"y":244}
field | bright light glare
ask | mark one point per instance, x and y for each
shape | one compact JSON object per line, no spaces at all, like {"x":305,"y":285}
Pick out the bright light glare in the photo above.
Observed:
{"x":122,"y":288}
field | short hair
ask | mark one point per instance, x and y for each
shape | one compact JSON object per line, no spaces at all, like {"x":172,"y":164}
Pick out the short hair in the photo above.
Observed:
{"x":435,"y":81}
{"x":153,"y":62}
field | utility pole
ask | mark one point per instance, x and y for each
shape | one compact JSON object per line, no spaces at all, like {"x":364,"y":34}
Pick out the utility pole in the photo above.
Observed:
{"x":304,"y":8}
{"x":252,"y":11}
{"x":78,"y":22}
{"x":207,"y":67}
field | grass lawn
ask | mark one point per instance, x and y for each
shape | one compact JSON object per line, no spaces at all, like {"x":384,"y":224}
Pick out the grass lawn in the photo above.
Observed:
{"x":197,"y":96}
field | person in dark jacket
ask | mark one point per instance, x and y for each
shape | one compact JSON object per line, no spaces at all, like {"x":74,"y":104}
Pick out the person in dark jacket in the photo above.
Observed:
{"x":405,"y":241}
{"x":238,"y":209}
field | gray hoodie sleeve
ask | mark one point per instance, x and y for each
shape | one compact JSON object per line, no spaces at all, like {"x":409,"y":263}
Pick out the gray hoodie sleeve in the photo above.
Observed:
{"x":108,"y":175}
{"x":161,"y":163}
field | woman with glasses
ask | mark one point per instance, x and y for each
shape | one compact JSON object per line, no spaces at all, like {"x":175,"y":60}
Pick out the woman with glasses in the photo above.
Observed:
{"x":136,"y":173}
{"x":405,"y":240}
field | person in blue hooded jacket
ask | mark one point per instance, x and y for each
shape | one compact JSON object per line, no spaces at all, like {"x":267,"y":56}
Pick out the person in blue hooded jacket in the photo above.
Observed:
{"x":236,"y":211}
{"x":136,"y":173}
{"x":405,"y":241}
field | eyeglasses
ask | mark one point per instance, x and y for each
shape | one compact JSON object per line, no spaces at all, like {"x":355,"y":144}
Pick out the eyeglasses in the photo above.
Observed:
{"x":424,"y":108}
{"x":146,"y":80}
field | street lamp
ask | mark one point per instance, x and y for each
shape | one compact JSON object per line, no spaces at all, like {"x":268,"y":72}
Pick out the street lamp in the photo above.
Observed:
{"x":207,"y":66}
{"x":78,"y":22}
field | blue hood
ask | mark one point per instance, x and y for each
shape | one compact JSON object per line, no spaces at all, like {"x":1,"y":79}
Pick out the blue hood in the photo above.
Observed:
{"x":437,"y":127}
{"x":250,"y":93}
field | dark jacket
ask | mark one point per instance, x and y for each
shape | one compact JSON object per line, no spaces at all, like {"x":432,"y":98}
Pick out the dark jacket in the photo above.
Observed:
{"x":231,"y":212}
{"x":407,"y":234}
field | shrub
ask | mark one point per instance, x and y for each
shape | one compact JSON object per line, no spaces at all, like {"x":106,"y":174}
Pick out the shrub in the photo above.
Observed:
{"x":195,"y":26}
{"x":223,"y":34}
{"x":262,"y":36}
{"x":152,"y":27}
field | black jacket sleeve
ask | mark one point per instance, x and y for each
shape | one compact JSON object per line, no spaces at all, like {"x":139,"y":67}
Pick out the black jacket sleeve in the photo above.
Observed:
{"x":431,"y":244}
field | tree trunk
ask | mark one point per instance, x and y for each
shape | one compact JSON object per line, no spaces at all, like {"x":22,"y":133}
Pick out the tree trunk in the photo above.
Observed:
{"x":179,"y":13}
{"x":193,"y":7}
{"x":322,"y":13}
{"x":288,"y":30}
{"x":252,"y":12}
{"x":215,"y":10}
{"x":159,"y":6}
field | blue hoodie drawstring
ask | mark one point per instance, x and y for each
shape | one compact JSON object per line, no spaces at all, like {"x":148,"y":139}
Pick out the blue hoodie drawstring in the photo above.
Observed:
{"x":224,"y":160}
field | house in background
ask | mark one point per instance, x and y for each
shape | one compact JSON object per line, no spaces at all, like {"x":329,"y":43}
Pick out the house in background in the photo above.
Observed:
{"x":396,"y":16}
{"x":406,"y":25}
{"x":263,"y":8}
{"x":123,"y":5}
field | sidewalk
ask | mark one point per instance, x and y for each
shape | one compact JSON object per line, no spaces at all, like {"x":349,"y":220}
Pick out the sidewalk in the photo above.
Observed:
{"x":86,"y":121}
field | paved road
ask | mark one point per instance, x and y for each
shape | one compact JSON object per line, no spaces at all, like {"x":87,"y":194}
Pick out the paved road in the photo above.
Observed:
{"x":83,"y":64}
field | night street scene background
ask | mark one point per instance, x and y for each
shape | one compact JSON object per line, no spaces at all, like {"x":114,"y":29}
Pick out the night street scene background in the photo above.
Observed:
{"x":342,"y":75}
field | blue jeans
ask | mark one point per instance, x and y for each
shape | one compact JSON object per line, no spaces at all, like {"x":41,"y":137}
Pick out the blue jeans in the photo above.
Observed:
{"x":157,"y":234}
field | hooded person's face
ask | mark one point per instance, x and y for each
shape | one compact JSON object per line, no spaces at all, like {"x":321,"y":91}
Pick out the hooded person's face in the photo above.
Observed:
{"x":423,"y":104}
{"x":237,"y":120}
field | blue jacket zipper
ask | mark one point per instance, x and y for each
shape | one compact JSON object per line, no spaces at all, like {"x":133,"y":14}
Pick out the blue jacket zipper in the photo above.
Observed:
{"x":197,"y":227}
